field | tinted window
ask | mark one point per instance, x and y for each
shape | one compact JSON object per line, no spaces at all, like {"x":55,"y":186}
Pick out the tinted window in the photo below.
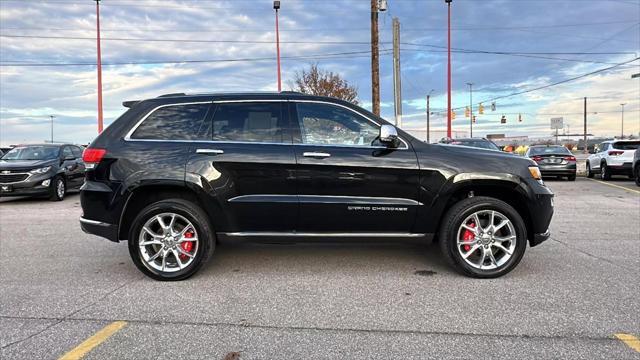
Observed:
{"x":604,"y":146}
{"x":175,"y":122}
{"x":332,"y":125}
{"x":249,"y":122}
{"x":548,"y":150}
{"x":77,"y":152}
{"x":67,"y":153}
{"x":32,"y":153}
{"x":626,"y":145}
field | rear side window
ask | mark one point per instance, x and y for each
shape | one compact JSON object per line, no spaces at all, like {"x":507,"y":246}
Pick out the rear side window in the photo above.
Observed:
{"x":626,"y":145}
{"x":249,"y":122}
{"x":174,"y":122}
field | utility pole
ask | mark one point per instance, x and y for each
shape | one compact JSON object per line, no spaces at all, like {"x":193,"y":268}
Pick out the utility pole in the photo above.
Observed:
{"x":470,"y":109}
{"x":397,"y":84}
{"x":51,"y":116}
{"x":448,"y":67}
{"x":375,"y":64}
{"x":428,"y":115}
{"x":99,"y":69}
{"x":276,"y":7}
{"x":622,"y":128}
{"x":586,"y":151}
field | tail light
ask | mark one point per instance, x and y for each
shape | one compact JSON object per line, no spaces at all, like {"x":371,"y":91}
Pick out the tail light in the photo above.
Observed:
{"x":537,"y":158}
{"x":615,"y":153}
{"x":92,"y":157}
{"x":570,"y":158}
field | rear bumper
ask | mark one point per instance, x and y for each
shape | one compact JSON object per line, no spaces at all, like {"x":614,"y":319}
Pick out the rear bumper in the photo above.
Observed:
{"x":105,"y":230}
{"x":569,"y":169}
{"x":624,"y":168}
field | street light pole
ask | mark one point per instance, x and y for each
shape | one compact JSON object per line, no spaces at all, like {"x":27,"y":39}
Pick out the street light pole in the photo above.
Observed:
{"x":622,"y":125}
{"x":470,"y":109}
{"x":428,"y":115}
{"x":51,"y":116}
{"x":448,"y":67}
{"x":276,"y":7}
{"x":375,"y":61}
{"x":100,"y":118}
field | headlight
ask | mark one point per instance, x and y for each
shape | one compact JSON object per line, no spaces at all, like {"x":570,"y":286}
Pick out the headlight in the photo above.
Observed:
{"x":40,"y":170}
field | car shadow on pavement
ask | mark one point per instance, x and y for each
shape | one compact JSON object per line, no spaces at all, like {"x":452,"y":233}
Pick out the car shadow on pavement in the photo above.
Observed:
{"x":71,"y":195}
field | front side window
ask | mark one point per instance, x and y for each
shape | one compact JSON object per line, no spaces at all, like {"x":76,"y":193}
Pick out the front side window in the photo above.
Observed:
{"x":174,"y":122}
{"x":325,"y":124}
{"x":67,"y":153}
{"x":43,"y":152}
{"x":249,"y":122}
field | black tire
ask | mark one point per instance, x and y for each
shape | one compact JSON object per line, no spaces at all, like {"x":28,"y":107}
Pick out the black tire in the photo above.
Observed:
{"x":637,"y":177}
{"x":454,"y":218}
{"x":605,"y":173}
{"x":589,"y":171}
{"x":197,"y":217}
{"x":54,"y":194}
{"x":571,"y":178}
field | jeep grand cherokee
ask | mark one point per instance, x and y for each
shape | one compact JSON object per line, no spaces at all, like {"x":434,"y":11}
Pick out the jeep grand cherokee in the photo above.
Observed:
{"x":178,"y":173}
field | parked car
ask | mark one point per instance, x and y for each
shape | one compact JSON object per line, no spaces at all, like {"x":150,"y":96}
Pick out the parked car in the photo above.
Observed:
{"x":553,"y":160}
{"x":636,"y":166}
{"x":41,"y":170}
{"x":481,"y":143}
{"x":612,"y":157}
{"x":176,"y":174}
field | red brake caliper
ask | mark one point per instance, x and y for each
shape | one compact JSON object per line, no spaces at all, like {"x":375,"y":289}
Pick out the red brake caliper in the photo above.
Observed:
{"x":187,"y":246}
{"x":468,"y":236}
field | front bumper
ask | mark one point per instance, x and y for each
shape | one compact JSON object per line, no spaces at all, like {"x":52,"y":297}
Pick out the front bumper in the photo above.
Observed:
{"x":105,"y":230}
{"x":32,"y":186}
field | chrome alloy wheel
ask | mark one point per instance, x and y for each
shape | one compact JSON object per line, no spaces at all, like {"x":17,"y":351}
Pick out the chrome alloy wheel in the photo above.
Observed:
{"x":168,"y":242}
{"x":60,"y":188}
{"x":486,"y":239}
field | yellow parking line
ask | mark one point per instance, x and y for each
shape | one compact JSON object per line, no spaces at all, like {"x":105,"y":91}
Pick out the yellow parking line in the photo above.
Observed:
{"x":98,"y":338}
{"x":617,"y":186}
{"x":631,"y":341}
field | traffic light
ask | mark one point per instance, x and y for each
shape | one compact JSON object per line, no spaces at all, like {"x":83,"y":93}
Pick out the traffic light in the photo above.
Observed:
{"x":453,"y":114}
{"x":519,"y":117}
{"x":480,"y":109}
{"x":493,"y":106}
{"x":467,"y":113}
{"x":503,"y":120}
{"x":474,"y":119}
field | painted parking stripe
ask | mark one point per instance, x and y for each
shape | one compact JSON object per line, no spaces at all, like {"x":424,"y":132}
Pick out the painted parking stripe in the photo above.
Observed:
{"x":631,"y":341}
{"x":98,"y":338}
{"x":616,"y":186}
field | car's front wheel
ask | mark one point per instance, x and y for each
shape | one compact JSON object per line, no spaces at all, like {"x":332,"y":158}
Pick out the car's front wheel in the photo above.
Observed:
{"x":171,"y":239}
{"x":483,"y":237}
{"x":605,"y":174}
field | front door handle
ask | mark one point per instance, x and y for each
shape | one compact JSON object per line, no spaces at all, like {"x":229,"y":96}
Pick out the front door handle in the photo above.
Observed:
{"x":319,"y":155}
{"x":209,"y":151}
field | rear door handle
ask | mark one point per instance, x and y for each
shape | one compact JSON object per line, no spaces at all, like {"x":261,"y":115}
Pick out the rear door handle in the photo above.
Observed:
{"x":209,"y":151}
{"x":319,"y":155}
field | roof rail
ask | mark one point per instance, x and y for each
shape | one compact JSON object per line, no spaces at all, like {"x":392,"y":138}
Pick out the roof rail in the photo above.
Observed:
{"x":129,"y":104}
{"x":172,"y":95}
{"x":292,"y":92}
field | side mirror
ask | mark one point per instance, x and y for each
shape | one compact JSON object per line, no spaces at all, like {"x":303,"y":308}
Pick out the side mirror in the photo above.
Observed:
{"x":389,"y":135}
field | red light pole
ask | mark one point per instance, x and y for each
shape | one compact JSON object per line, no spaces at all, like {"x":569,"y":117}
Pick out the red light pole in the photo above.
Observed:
{"x":99,"y":68}
{"x":276,"y":7}
{"x":448,"y":68}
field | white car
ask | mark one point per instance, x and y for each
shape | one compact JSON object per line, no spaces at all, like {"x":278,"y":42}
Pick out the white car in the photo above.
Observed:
{"x":612,"y":157}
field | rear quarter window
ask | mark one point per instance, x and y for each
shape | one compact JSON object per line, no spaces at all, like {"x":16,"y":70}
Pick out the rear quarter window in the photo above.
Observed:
{"x":174,"y":122}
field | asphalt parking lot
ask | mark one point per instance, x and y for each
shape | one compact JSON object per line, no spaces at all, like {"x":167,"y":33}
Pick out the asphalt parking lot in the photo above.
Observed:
{"x":567,"y":299}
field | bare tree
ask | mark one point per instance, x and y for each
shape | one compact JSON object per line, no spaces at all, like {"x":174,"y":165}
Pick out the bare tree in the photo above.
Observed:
{"x":315,"y":81}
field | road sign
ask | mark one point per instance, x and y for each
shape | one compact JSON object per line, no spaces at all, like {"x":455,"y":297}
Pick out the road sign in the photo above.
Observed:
{"x":557,"y":123}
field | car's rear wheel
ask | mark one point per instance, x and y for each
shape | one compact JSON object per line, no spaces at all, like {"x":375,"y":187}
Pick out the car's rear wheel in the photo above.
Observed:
{"x":589,"y":171}
{"x":171,"y":240}
{"x":483,"y":237}
{"x":605,"y":173}
{"x":637,"y":177}
{"x":571,"y":178}
{"x":57,"y":189}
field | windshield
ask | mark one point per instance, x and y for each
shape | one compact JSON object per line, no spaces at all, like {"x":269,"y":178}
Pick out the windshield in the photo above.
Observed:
{"x":626,"y":145}
{"x":548,"y":150}
{"x":32,"y":153}
{"x":483,"y":144}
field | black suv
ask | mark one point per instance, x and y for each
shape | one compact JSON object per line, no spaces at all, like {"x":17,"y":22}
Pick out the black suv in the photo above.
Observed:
{"x":176,"y":174}
{"x":41,"y":169}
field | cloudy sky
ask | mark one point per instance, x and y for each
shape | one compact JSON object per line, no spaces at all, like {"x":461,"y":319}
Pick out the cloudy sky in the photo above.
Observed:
{"x":503,"y":47}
